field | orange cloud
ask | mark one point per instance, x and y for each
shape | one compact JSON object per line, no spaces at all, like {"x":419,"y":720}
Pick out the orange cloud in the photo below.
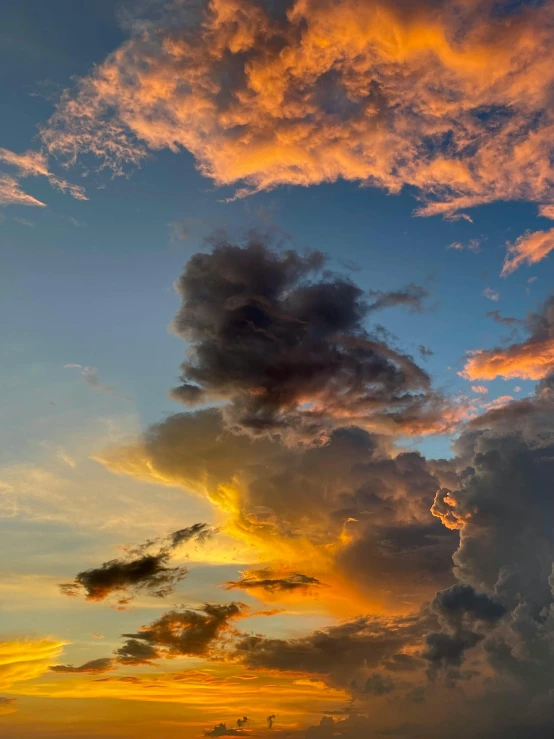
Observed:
{"x":451,"y":99}
{"x":30,"y":164}
{"x":528,"y":249}
{"x":531,"y":360}
{"x":23,"y":660}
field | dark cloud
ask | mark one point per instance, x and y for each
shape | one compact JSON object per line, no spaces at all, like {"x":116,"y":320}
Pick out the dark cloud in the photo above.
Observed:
{"x":270,"y":720}
{"x":105,"y":664}
{"x":180,"y":633}
{"x":425,"y":352}
{"x":393,"y":546}
{"x":411,"y":297}
{"x":344,"y":652}
{"x":378,"y":685}
{"x":222,"y":730}
{"x":286,"y":347}
{"x":504,"y":320}
{"x":266,"y":580}
{"x":139,"y":570}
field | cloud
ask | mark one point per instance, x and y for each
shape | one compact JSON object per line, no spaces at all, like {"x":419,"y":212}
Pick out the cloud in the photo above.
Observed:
{"x":474,"y":245}
{"x":528,"y":249}
{"x":222,"y":730}
{"x":451,"y":99}
{"x":412,"y":297}
{"x":23,"y":660}
{"x":532,"y":359}
{"x":12,"y":194}
{"x":104,"y":664}
{"x":288,"y":352}
{"x":141,"y":569}
{"x":30,"y":164}
{"x":180,"y":633}
{"x":271,"y":582}
{"x":503,"y":320}
{"x":491,"y":294}
{"x":90,"y":376}
{"x":373,"y":536}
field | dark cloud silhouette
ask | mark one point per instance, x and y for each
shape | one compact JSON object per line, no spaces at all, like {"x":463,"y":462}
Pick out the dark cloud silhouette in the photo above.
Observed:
{"x":270,"y":720}
{"x":105,"y":664}
{"x":286,"y":347}
{"x":139,"y":570}
{"x":504,"y":320}
{"x":222,"y":730}
{"x":180,"y":633}
{"x":266,"y":580}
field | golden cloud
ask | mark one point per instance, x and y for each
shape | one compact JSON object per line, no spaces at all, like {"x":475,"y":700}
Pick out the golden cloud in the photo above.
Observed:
{"x":24,"y":660}
{"x":451,"y":99}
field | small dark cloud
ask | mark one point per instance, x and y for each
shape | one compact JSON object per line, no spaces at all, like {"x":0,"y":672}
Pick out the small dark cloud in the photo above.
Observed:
{"x":411,"y":296}
{"x":504,"y":320}
{"x":266,"y":580}
{"x":222,"y":730}
{"x":425,"y":352}
{"x":271,"y":720}
{"x":180,"y":633}
{"x":105,"y":664}
{"x":139,"y":570}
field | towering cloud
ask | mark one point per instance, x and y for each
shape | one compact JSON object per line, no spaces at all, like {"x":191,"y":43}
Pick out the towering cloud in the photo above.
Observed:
{"x":288,"y":350}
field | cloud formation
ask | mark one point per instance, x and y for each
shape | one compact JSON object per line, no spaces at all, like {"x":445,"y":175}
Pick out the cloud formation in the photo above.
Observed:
{"x":528,"y":249}
{"x":139,"y":570}
{"x":180,"y":633}
{"x":451,"y":99}
{"x":30,"y":164}
{"x":286,"y":348}
{"x":273,"y":582}
{"x":95,"y":666}
{"x":532,"y":359}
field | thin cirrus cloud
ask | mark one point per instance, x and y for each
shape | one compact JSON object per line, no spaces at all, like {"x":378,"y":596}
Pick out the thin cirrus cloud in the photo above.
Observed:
{"x":30,"y":164}
{"x":452,"y":99}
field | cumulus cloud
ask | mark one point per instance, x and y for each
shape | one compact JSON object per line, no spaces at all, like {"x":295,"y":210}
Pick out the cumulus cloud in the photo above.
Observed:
{"x":451,"y":99}
{"x":374,"y":529}
{"x":180,"y":633}
{"x":141,"y":569}
{"x":30,"y":164}
{"x":288,"y":351}
{"x":532,"y":359}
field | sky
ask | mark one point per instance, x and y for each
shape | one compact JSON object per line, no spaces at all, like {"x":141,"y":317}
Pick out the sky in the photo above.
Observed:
{"x":278,"y":369}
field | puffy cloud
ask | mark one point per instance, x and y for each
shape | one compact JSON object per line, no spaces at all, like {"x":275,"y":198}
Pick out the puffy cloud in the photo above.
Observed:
{"x":180,"y":633}
{"x":95,"y":666}
{"x":372,"y":534}
{"x":139,"y":570}
{"x":530,"y":248}
{"x":452,"y":99}
{"x":222,"y":730}
{"x":533,"y":359}
{"x":30,"y":164}
{"x":491,"y":294}
{"x":288,"y":351}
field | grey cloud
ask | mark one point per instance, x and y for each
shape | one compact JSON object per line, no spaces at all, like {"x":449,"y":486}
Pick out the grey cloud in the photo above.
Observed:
{"x":139,"y":570}
{"x":411,"y":297}
{"x":104,"y":664}
{"x":286,"y":347}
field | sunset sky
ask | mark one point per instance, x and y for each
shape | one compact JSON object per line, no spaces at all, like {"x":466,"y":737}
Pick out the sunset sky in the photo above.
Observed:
{"x":277,"y":385}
